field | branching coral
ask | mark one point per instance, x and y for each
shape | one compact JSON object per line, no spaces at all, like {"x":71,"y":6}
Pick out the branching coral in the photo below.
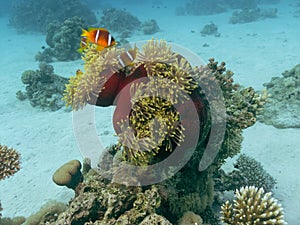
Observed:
{"x":249,"y":172}
{"x":9,"y":161}
{"x":252,"y":206}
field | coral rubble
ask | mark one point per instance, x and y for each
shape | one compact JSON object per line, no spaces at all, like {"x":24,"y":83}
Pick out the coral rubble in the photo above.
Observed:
{"x":36,"y":15}
{"x":253,"y":206}
{"x":43,"y":88}
{"x":283,"y":105}
{"x":250,"y":15}
{"x":63,"y":39}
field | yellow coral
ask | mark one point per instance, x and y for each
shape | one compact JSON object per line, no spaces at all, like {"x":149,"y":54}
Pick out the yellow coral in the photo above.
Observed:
{"x":253,"y":207}
{"x":9,"y":161}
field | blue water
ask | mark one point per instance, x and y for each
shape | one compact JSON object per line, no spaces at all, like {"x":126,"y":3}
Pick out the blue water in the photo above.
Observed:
{"x":254,"y":51}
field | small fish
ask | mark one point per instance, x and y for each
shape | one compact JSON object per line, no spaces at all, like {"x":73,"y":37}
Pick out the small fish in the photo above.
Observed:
{"x":99,"y":36}
{"x":83,"y":44}
{"x":127,"y":58}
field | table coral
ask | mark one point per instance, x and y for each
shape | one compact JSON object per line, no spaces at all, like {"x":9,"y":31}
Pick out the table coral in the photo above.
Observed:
{"x":282,"y":108}
{"x":252,"y":206}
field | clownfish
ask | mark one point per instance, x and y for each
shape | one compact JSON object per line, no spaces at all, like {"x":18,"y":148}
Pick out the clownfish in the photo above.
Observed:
{"x":127,"y":57}
{"x":83,"y":44}
{"x":99,"y":36}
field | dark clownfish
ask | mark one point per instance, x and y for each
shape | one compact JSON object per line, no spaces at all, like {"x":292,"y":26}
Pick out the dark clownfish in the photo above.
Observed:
{"x":99,"y":36}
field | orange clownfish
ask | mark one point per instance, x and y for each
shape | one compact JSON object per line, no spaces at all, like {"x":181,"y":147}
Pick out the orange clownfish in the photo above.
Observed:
{"x":99,"y":36}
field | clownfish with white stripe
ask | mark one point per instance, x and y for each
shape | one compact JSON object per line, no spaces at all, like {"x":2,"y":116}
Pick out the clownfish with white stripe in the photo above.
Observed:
{"x":127,"y":57}
{"x":98,"y":36}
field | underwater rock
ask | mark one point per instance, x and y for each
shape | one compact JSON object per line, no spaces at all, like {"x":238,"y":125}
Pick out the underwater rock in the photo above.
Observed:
{"x":150,"y":27}
{"x":210,"y":29}
{"x":63,"y":40}
{"x":44,"y":88}
{"x":283,"y":105}
{"x":120,"y":21}
{"x":250,"y":15}
{"x":36,"y":15}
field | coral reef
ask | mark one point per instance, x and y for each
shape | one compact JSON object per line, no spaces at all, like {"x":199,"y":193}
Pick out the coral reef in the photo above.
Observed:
{"x":282,"y":108}
{"x":204,"y":7}
{"x":43,"y":88}
{"x":268,"y":1}
{"x":242,"y":4}
{"x":210,"y":29}
{"x":153,"y":120}
{"x":250,"y":15}
{"x":150,"y":27}
{"x":9,"y":161}
{"x":63,"y":39}
{"x":190,"y":218}
{"x":12,"y":221}
{"x":36,"y":15}
{"x":247,"y":172}
{"x":47,"y":213}
{"x":120,"y":21}
{"x":253,"y":206}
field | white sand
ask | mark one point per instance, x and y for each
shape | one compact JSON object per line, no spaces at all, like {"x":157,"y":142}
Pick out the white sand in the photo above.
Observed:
{"x":255,"y":52}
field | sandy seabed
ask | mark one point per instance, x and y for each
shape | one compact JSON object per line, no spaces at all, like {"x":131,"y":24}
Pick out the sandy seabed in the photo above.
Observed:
{"x":255,"y":52}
